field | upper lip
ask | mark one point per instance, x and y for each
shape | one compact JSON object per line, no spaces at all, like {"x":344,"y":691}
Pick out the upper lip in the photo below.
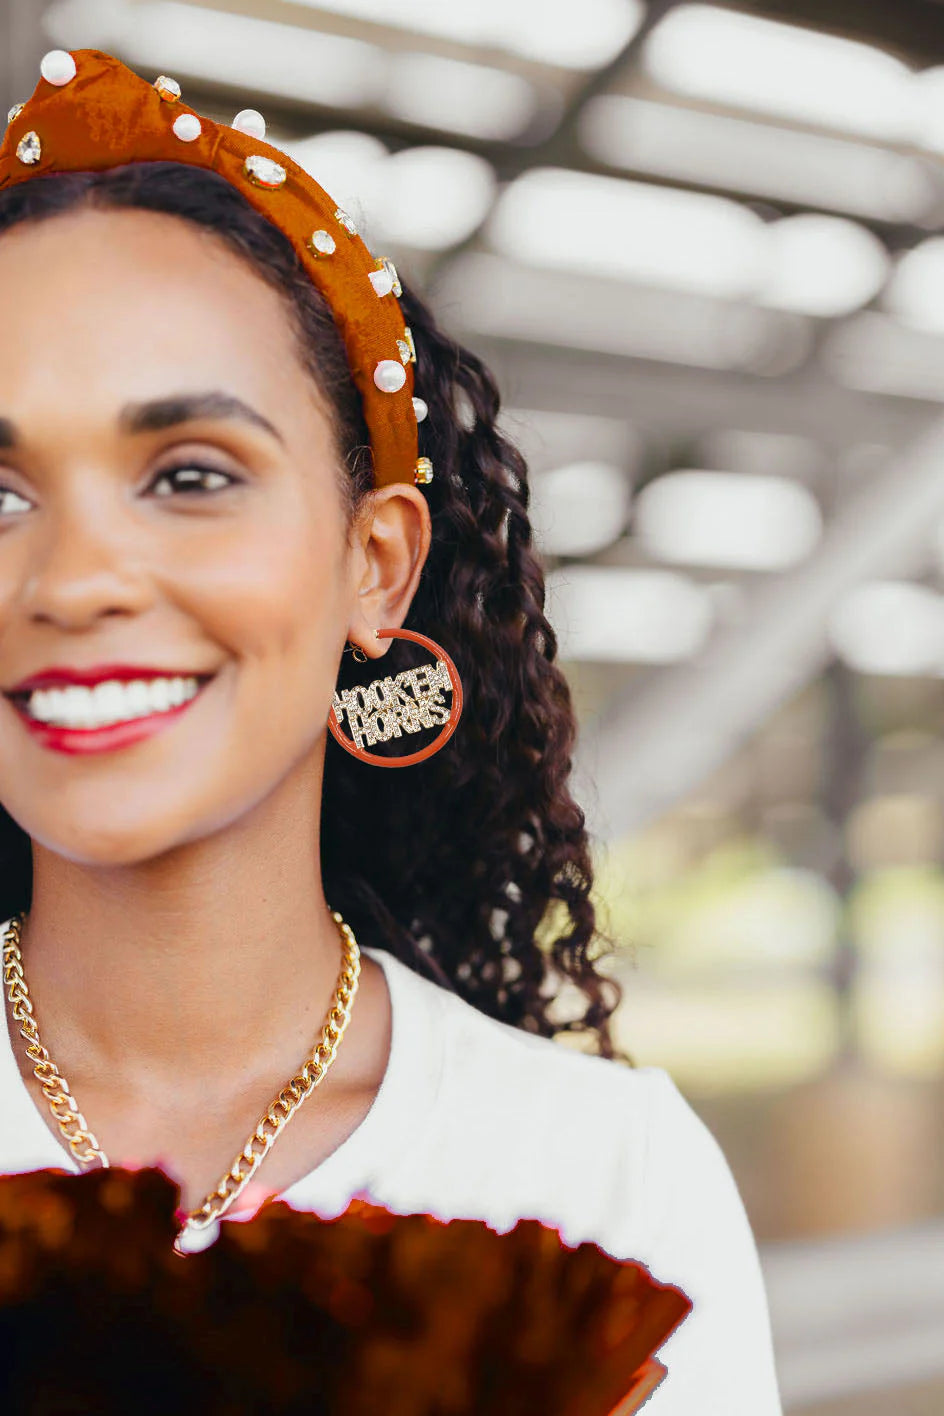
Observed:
{"x":97,"y":673}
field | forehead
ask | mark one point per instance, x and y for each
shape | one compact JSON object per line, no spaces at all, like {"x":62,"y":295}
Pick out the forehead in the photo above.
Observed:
{"x":108,"y":306}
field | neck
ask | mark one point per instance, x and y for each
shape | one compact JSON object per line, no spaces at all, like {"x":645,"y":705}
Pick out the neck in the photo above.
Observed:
{"x":193,"y":971}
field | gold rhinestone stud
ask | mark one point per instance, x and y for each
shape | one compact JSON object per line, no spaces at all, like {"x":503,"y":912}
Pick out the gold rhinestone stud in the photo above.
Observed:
{"x":263,"y":172}
{"x":29,"y":149}
{"x":405,"y":346}
{"x":322,"y":243}
{"x":391,"y":270}
{"x":169,"y":89}
{"x":423,"y":471}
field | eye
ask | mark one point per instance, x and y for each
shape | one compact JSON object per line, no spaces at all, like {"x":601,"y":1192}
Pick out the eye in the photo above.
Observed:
{"x":191,"y":477}
{"x":5,"y":507}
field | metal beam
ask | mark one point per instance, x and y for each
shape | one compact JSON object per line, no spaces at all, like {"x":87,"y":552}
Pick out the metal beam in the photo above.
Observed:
{"x":650,"y":747}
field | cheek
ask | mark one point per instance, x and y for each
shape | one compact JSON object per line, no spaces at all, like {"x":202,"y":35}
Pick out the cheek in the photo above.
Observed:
{"x":273,"y":604}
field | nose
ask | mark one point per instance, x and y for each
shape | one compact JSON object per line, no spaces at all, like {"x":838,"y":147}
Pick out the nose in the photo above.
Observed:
{"x":78,"y":569}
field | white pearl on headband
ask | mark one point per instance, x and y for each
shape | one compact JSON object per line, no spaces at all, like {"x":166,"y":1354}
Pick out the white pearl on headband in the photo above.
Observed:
{"x":390,"y":375}
{"x":187,"y":127}
{"x":381,"y":280}
{"x":57,"y":67}
{"x":251,"y":121}
{"x":420,"y":409}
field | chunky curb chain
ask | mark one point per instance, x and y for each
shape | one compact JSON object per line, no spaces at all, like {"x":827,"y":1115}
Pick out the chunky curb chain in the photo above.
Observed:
{"x":82,"y":1142}
{"x":72,"y":1123}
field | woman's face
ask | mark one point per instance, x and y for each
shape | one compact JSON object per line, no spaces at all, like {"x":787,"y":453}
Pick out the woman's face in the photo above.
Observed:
{"x":108,"y":556}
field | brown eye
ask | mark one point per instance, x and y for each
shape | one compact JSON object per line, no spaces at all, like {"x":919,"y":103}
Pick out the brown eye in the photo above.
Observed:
{"x":191,"y":477}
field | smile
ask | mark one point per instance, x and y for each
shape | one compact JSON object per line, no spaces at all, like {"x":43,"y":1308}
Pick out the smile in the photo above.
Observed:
{"x":109,"y":702}
{"x":112,"y":714}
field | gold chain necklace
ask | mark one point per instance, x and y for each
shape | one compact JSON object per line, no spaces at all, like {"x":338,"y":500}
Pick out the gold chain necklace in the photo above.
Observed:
{"x":75,"y":1128}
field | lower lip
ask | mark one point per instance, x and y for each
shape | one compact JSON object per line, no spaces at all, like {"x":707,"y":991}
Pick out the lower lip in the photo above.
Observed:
{"x":107,"y":739}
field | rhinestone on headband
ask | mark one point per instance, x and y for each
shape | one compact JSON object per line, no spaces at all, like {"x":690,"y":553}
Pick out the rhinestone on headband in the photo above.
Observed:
{"x":391,"y":270}
{"x":406,"y":347}
{"x":424,"y":471}
{"x":15,"y":111}
{"x":169,"y":89}
{"x":29,"y":149}
{"x":263,"y":172}
{"x":322,"y":243}
{"x":344,"y":219}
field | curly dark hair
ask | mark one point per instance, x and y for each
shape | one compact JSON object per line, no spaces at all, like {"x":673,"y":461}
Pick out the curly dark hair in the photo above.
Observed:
{"x":462,"y":865}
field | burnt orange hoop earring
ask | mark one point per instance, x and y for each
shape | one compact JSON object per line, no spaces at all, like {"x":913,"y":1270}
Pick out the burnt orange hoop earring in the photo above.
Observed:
{"x":384,"y":709}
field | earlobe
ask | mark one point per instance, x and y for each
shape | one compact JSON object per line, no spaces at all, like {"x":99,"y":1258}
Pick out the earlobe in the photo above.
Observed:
{"x":357,"y":652}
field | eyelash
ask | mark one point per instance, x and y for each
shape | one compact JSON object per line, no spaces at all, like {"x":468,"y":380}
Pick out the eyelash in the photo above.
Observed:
{"x":169,"y":472}
{"x":196,"y":467}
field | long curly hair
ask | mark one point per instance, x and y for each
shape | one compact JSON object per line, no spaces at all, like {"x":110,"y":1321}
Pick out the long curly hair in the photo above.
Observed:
{"x":473,"y":867}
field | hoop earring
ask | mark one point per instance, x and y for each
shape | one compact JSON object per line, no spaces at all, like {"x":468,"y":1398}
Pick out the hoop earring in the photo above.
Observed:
{"x":384,"y":709}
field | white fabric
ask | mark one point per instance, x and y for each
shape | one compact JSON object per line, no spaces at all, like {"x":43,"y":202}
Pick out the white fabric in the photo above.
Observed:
{"x":475,"y":1119}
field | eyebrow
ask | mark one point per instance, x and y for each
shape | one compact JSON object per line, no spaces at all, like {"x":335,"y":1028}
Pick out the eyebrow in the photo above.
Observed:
{"x":160,"y":413}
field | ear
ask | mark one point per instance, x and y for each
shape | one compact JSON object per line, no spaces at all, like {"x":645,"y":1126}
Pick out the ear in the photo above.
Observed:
{"x":391,"y":538}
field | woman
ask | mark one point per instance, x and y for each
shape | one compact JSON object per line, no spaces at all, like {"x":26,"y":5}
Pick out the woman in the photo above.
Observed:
{"x":187,"y":494}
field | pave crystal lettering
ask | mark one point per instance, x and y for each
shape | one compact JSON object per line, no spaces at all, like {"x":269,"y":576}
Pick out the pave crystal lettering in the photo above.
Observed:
{"x":385,"y":709}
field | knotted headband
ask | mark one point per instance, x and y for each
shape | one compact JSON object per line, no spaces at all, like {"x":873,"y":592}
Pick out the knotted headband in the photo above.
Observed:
{"x":89,"y":111}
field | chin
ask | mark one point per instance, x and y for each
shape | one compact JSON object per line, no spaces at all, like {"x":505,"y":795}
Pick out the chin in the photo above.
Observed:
{"x":91,"y":838}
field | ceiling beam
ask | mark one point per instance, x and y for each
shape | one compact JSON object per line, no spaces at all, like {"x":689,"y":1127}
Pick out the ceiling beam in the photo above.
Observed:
{"x":650,"y":747}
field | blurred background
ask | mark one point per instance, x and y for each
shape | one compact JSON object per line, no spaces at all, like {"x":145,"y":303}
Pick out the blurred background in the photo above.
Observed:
{"x":699,"y":244}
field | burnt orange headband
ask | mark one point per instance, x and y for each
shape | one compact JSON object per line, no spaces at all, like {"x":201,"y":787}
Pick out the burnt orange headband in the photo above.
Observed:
{"x":89,"y":111}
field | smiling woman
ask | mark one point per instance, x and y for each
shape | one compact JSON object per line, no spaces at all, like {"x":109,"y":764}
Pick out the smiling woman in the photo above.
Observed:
{"x":192,"y":526}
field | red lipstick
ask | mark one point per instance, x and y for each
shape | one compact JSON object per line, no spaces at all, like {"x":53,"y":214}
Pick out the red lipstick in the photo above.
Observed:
{"x":97,"y":673}
{"x":79,"y":740}
{"x":113,"y":735}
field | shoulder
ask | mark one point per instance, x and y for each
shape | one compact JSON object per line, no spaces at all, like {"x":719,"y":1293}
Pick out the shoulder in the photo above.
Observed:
{"x":496,"y":1061}
{"x":595,"y":1133}
{"x":616,"y":1146}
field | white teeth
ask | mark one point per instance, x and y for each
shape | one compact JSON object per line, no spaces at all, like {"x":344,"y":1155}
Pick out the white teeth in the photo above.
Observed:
{"x":160,"y":695}
{"x":136,"y":698}
{"x":111,"y":702}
